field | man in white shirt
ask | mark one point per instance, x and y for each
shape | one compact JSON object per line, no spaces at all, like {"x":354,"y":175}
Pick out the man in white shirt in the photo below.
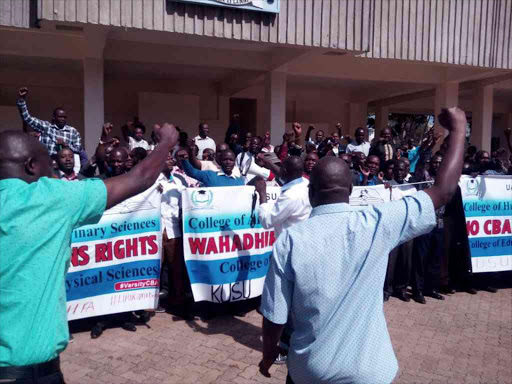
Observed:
{"x":171,"y":185}
{"x":246,"y":162}
{"x":292,"y":206}
{"x":203,"y":141}
{"x":359,"y":144}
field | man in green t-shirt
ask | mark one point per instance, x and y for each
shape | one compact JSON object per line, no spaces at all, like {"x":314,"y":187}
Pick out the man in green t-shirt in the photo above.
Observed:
{"x":37,"y":217}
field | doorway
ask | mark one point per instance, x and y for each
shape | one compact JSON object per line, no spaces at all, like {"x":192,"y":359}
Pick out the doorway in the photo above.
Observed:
{"x":247,"y":110}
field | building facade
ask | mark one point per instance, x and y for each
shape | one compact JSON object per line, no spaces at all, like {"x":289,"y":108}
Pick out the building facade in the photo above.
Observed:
{"x":272,"y":61}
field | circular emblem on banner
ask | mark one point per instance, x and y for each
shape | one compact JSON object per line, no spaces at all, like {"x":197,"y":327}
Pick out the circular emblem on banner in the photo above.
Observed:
{"x":202,"y":198}
{"x":472,"y":186}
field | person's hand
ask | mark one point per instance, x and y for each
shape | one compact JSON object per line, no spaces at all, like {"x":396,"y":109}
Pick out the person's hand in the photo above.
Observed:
{"x":23,"y":92}
{"x":160,"y":188}
{"x":260,"y":160}
{"x":297,"y":129}
{"x":61,"y":141}
{"x":260,"y":185}
{"x":311,"y":128}
{"x":508,"y":132}
{"x":37,"y":135}
{"x":191,"y":142}
{"x":387,"y":185}
{"x":453,"y":119}
{"x":288,"y":137}
{"x":380,"y":176}
{"x":166,"y":133}
{"x":398,"y":154}
{"x":107,"y":128}
{"x":365,"y":171}
{"x":348,"y":138}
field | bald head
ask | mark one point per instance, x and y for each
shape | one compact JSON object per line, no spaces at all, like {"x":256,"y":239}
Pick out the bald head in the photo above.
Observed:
{"x":292,"y":168}
{"x":23,"y":157}
{"x":330,"y":182}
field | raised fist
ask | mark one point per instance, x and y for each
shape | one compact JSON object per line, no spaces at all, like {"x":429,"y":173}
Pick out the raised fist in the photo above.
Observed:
{"x":453,"y":119}
{"x":23,"y":92}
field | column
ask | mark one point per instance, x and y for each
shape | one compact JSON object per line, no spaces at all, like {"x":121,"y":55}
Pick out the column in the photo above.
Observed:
{"x":481,"y":117}
{"x":447,"y":96}
{"x":381,"y":119}
{"x":358,"y":117}
{"x":94,"y":112}
{"x":275,"y":105}
{"x":499,"y":131}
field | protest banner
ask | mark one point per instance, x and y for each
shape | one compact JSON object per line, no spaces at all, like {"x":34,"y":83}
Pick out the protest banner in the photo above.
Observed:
{"x":227,"y":252}
{"x":369,"y":195}
{"x":115,"y":264}
{"x":488,"y":209}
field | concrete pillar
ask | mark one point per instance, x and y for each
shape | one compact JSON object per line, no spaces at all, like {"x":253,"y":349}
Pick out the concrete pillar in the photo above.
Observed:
{"x":381,"y":119}
{"x":358,"y":117}
{"x":447,"y":96}
{"x":275,"y":105}
{"x":481,"y":126}
{"x":499,"y":131}
{"x":94,"y":107}
{"x":94,"y":112}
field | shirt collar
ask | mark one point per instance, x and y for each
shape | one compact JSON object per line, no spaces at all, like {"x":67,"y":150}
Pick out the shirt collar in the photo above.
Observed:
{"x":200,"y":138}
{"x":331,"y":208}
{"x":292,"y":183}
{"x":221,"y":173}
{"x":64,"y":176}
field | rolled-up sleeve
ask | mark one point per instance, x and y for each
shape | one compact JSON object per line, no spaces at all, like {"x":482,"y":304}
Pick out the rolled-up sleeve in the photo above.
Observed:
{"x":277,"y":294}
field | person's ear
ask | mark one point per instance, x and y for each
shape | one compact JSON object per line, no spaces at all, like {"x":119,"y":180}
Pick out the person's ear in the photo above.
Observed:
{"x":31,"y":166}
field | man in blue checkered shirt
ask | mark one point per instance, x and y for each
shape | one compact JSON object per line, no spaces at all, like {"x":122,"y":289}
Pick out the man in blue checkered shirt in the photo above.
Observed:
{"x":52,"y":134}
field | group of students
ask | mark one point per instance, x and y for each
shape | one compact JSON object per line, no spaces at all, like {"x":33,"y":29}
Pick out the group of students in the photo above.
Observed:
{"x":425,"y":263}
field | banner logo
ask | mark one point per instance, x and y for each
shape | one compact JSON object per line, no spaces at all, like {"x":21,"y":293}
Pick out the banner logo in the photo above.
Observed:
{"x":202,"y":198}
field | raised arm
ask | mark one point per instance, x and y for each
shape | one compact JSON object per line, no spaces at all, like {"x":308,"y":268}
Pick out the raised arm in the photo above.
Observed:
{"x":308,"y":133}
{"x":192,"y":154}
{"x":144,"y":174}
{"x":126,"y":130}
{"x":454,"y":120}
{"x":194,"y":173}
{"x":33,"y":122}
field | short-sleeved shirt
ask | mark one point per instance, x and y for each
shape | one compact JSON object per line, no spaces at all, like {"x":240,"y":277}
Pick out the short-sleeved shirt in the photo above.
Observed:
{"x":36,"y":222}
{"x":202,"y":144}
{"x":132,"y":144}
{"x":328,"y":273}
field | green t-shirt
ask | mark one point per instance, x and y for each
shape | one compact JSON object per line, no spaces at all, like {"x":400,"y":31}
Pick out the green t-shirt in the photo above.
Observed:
{"x":36,"y":221}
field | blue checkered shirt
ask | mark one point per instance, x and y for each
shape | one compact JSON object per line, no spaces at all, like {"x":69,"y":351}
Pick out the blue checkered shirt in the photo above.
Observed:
{"x":50,"y":132}
{"x":328,"y":272}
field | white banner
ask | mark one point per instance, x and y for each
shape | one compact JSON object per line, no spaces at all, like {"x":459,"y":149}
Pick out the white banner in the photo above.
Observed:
{"x":227,"y":252}
{"x":488,"y":209}
{"x":370,"y":195}
{"x":115,"y":264}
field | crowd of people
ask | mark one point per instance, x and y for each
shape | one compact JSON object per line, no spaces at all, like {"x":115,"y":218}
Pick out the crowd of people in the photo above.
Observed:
{"x":430,"y":252}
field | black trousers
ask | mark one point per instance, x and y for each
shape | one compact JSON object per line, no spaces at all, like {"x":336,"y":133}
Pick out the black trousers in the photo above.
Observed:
{"x":426,"y":261}
{"x":399,"y":268}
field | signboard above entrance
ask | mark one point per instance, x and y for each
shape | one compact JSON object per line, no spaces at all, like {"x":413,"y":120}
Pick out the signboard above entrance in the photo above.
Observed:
{"x":251,"y":5}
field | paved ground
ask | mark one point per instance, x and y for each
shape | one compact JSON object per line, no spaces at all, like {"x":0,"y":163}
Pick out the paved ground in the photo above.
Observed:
{"x":464,"y":339}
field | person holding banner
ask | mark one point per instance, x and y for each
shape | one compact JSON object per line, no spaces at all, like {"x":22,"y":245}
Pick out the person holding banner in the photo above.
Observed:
{"x":327,"y":272}
{"x":223,"y":178}
{"x":34,"y":329}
